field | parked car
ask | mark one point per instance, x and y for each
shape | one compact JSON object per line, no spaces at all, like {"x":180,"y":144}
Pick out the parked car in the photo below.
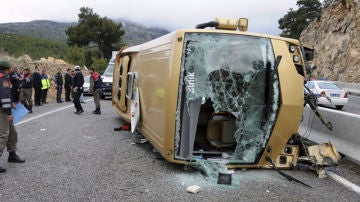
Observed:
{"x":328,"y":93}
{"x":86,"y":85}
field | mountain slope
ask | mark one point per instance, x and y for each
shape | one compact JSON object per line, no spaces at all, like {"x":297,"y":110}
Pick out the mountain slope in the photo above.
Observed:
{"x":134,"y":33}
{"x":39,"y":28}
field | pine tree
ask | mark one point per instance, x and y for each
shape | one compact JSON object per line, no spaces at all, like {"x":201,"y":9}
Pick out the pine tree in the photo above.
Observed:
{"x":295,"y":21}
{"x":92,"y":30}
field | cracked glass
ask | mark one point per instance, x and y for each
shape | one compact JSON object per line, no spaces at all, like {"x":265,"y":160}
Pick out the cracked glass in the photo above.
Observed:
{"x":232,"y":76}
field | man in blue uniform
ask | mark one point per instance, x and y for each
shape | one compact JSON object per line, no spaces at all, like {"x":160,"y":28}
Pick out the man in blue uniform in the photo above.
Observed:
{"x":8,"y":134}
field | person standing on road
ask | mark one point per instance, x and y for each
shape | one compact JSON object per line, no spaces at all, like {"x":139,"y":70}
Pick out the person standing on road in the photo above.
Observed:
{"x":15,"y":79}
{"x":78,"y":89}
{"x":26,"y":89}
{"x":45,"y":86}
{"x":59,"y":83}
{"x":72,"y":74}
{"x":95,"y":88}
{"x":68,"y":85}
{"x":37,"y":86}
{"x":8,"y":134}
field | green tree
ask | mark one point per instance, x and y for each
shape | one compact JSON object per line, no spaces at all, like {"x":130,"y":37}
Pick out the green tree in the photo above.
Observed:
{"x":99,"y":64}
{"x":75,"y":55}
{"x":295,"y":21}
{"x":95,"y":31}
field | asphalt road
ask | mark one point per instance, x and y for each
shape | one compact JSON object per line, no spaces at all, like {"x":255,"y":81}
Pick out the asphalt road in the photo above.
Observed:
{"x":73,"y":157}
{"x":354,"y":104}
{"x":352,"y":107}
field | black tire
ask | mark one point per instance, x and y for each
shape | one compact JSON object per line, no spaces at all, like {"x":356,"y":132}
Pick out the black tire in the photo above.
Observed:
{"x":339,"y":107}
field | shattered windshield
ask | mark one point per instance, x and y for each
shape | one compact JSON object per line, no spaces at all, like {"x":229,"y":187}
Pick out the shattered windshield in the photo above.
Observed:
{"x":235,"y":74}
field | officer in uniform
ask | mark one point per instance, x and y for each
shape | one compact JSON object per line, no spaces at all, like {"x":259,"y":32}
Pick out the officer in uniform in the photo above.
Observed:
{"x":78,"y":89}
{"x":8,"y":134}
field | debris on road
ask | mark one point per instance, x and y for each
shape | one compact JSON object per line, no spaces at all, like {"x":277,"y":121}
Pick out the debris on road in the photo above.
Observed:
{"x":124,"y":127}
{"x":193,"y":189}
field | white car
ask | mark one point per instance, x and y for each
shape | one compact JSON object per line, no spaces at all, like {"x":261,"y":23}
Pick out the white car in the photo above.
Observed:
{"x":328,"y":93}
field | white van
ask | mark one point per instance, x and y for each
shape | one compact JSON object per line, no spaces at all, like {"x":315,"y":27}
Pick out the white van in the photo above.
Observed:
{"x":107,"y":76}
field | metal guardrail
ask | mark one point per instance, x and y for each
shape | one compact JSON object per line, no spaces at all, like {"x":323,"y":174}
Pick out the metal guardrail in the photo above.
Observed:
{"x":352,"y":88}
{"x":345,"y":134}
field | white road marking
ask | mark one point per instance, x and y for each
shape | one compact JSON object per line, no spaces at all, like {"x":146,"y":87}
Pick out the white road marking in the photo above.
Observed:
{"x":45,"y":114}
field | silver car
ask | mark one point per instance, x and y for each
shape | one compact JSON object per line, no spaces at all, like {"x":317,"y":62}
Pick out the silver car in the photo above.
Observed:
{"x":86,"y":85}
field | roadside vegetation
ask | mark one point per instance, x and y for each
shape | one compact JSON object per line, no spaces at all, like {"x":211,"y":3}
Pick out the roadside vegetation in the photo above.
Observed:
{"x":17,"y":45}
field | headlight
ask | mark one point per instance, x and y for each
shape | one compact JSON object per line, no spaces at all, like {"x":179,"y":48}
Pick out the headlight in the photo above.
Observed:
{"x":296,"y":58}
{"x":292,"y":48}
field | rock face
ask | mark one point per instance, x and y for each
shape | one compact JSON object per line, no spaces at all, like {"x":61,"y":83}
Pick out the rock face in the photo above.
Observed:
{"x":336,"y":40}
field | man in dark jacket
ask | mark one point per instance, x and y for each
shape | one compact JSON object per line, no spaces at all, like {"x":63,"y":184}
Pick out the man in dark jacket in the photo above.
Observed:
{"x":15,"y":79}
{"x":78,"y":89}
{"x":68,"y":85}
{"x":37,"y":86}
{"x":95,"y":87}
{"x":26,"y":89}
{"x":59,"y":83}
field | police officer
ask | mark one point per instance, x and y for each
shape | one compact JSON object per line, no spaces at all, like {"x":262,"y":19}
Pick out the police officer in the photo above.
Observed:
{"x":8,"y":134}
{"x":59,"y":84}
{"x":37,"y":86}
{"x":45,"y":81}
{"x":78,"y":89}
{"x":67,"y":85}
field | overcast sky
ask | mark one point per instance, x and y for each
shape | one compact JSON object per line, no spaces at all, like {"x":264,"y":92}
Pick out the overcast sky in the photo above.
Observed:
{"x":263,"y":15}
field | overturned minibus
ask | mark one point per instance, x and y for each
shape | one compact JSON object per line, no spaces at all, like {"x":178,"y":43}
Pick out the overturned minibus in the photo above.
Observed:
{"x":220,"y":94}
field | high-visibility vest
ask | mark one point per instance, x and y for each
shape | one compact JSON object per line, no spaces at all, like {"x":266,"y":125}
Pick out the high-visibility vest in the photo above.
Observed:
{"x":45,"y":84}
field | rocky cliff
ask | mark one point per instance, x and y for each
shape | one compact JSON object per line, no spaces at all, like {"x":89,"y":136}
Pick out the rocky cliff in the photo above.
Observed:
{"x":336,"y":39}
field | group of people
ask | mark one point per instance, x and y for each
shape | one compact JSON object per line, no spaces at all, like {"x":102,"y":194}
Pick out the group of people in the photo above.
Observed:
{"x":23,"y":82}
{"x":16,"y":86}
{"x":74,"y":81}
